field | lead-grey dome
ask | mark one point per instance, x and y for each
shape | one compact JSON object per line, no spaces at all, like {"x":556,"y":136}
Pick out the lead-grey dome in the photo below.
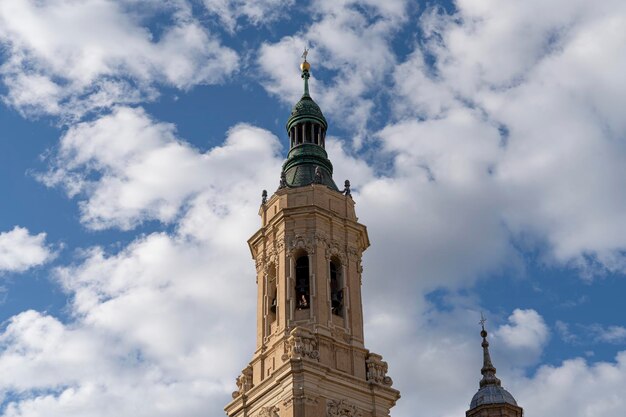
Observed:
{"x":492,"y":394}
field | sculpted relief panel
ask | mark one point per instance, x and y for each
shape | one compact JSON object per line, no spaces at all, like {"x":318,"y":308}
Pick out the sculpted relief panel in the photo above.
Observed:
{"x":341,"y":408}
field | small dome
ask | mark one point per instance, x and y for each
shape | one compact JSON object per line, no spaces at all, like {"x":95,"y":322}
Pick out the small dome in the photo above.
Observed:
{"x":306,"y":110}
{"x":492,"y":394}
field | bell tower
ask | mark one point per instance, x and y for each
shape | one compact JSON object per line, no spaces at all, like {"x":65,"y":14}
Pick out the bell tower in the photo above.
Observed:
{"x":310,"y":358}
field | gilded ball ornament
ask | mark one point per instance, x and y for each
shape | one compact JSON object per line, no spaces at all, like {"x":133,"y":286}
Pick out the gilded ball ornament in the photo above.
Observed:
{"x":305,"y":66}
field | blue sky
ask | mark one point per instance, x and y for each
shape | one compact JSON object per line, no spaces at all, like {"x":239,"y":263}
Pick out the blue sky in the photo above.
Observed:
{"x":485,"y":141}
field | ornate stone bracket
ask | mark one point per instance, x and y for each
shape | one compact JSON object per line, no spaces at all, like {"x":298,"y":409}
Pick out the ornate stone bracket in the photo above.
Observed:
{"x":244,"y":382}
{"x":302,"y":343}
{"x":341,"y":408}
{"x":377,"y":370}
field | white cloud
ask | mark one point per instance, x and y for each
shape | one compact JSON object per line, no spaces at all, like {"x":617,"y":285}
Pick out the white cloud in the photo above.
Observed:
{"x":575,"y":388}
{"x":526,"y":330}
{"x":526,"y":335}
{"x":609,"y":334}
{"x":254,"y":11}
{"x":549,"y":84}
{"x":20,"y":250}
{"x":143,"y":171}
{"x":563,"y":329}
{"x":67,"y":58}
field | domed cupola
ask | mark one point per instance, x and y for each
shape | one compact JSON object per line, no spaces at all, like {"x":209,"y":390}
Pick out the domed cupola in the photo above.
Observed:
{"x":307,"y":162}
{"x":491,"y":399}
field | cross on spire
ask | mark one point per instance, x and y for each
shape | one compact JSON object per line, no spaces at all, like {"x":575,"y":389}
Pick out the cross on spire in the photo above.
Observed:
{"x":482,"y":321}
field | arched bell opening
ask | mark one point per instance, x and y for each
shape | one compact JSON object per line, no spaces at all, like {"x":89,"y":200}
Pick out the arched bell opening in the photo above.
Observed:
{"x":303,"y":295}
{"x":272,"y":293}
{"x":336,"y":287}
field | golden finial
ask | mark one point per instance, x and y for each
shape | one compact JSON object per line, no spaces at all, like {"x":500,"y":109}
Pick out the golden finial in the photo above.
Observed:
{"x":305,"y":66}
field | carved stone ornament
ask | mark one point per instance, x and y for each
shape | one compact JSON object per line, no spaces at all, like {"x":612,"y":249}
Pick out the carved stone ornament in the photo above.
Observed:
{"x":354,"y":253}
{"x":244,"y":382}
{"x":334,"y":249}
{"x":260,"y":263}
{"x":377,"y":370}
{"x":280,"y":245}
{"x":341,"y":408}
{"x":268,"y":412}
{"x":321,"y":238}
{"x":302,"y":343}
{"x":300,"y":242}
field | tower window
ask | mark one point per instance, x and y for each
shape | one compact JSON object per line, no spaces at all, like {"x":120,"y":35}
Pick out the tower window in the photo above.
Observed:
{"x":272,"y":292}
{"x":302,"y":282}
{"x":336,"y":288}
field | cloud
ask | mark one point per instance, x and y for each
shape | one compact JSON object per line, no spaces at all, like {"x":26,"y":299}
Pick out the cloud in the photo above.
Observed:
{"x":525,"y":336}
{"x":256,"y":12}
{"x":575,"y":388}
{"x":65,"y":58}
{"x":20,"y":250}
{"x":610,"y":334}
{"x":524,"y":72}
{"x":563,"y":329}
{"x":526,"y":330}
{"x":589,"y":334}
{"x":127,"y":168}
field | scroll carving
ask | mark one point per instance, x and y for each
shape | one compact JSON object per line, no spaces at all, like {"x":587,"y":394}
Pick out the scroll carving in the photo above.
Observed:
{"x":341,"y":408}
{"x":302,"y":343}
{"x":377,"y":370}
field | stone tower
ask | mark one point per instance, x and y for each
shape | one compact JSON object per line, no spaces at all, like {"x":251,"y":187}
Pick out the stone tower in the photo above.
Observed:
{"x":310,"y":358}
{"x":492,"y":400}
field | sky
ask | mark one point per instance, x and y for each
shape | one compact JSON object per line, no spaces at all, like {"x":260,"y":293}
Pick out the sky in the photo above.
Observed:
{"x":485,"y":141}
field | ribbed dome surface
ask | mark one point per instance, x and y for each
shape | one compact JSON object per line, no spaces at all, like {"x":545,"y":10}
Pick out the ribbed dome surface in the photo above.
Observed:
{"x":492,"y":394}
{"x":306,"y":109}
{"x":299,"y":168}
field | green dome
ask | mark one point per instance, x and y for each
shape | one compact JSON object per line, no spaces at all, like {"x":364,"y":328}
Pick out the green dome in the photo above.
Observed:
{"x":299,"y":168}
{"x":306,"y":110}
